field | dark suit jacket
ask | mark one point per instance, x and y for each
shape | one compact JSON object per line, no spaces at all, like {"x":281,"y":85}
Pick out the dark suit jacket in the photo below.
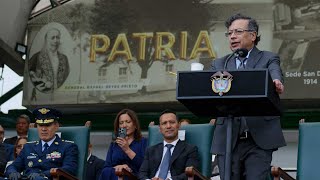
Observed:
{"x":61,"y":154}
{"x":94,"y":168}
{"x":183,"y":155}
{"x":266,"y":131}
{"x":11,"y":140}
{"x":3,"y":159}
{"x":9,"y":151}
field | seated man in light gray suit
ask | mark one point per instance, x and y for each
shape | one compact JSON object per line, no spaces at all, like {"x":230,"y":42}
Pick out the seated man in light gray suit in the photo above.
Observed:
{"x":254,"y":138}
{"x":161,"y":164}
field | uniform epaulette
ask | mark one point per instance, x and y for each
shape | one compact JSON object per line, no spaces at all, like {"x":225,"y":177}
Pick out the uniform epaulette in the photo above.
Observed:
{"x":67,"y":141}
{"x":32,"y":142}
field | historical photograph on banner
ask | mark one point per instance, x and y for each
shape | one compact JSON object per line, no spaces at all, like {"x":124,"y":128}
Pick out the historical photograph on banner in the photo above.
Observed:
{"x":52,"y":64}
{"x":111,"y":52}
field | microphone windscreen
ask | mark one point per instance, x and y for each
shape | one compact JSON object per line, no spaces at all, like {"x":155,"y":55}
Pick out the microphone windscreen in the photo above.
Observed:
{"x":242,"y":52}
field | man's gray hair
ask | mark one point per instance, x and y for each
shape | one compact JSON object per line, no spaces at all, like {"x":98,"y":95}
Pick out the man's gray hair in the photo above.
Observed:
{"x":24,"y":116}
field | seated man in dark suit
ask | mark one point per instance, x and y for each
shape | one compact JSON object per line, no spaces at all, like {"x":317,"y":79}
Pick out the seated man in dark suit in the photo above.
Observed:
{"x":9,"y":151}
{"x":158,"y":163}
{"x":3,"y":159}
{"x":8,"y":147}
{"x":94,"y":165}
{"x":22,"y":127}
{"x":37,"y":158}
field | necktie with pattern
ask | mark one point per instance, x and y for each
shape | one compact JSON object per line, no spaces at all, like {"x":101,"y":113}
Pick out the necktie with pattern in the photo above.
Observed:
{"x":242,"y":64}
{"x":164,"y":167}
{"x":243,"y":122}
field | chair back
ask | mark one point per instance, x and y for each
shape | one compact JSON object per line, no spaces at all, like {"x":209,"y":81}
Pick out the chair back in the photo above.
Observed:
{"x":79,"y":135}
{"x":308,"y":151}
{"x":199,"y":135}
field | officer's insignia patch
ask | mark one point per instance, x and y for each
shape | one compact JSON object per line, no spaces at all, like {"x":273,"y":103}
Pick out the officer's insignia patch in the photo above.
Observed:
{"x":55,"y":155}
{"x":48,"y":156}
{"x":30,"y":163}
{"x":43,"y":110}
{"x":68,"y":141}
{"x":30,"y":142}
{"x":31,"y":157}
{"x":221,"y":82}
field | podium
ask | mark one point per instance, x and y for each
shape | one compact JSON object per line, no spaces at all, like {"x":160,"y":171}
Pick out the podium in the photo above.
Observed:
{"x":252,"y":93}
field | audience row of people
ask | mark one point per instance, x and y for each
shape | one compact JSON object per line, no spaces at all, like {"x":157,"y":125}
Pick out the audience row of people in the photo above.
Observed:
{"x":127,"y":151}
{"x":10,"y":147}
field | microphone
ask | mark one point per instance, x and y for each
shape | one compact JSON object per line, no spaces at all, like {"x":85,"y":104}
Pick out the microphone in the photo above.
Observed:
{"x":241,"y":52}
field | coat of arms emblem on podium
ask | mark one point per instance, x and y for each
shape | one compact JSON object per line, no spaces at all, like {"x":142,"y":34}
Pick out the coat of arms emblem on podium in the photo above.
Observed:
{"x":221,"y":82}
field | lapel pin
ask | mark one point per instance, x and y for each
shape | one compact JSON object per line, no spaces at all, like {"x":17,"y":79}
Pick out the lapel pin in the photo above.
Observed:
{"x":30,"y":164}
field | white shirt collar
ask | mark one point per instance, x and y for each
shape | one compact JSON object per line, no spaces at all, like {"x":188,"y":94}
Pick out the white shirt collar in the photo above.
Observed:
{"x":174,"y":143}
{"x":249,"y":53}
{"x":89,"y":157}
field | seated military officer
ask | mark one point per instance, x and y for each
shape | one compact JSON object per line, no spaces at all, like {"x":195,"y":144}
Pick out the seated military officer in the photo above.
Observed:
{"x":38,"y":157}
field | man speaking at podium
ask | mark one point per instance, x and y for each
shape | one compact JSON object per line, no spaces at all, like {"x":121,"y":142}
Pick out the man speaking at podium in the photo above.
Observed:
{"x":253,"y":138}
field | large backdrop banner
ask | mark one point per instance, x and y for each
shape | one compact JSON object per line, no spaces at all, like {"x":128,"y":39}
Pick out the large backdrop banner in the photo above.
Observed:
{"x":89,"y":52}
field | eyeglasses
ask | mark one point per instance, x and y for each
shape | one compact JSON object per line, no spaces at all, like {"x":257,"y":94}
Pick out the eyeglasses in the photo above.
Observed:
{"x":237,"y":32}
{"x":20,"y":146}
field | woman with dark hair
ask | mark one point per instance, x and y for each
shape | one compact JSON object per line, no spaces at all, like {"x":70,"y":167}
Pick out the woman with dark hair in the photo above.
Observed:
{"x":127,"y":151}
{"x":21,"y":141}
